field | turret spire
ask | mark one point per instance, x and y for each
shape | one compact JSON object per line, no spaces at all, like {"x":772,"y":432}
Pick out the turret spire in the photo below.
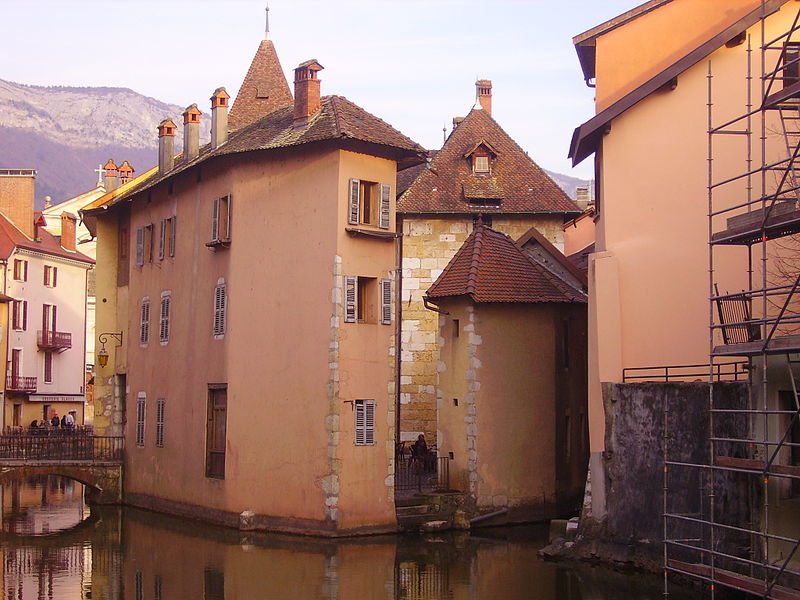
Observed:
{"x":266,"y":29}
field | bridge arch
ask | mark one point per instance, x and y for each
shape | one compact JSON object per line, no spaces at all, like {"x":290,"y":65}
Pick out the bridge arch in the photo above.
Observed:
{"x":103,"y":483}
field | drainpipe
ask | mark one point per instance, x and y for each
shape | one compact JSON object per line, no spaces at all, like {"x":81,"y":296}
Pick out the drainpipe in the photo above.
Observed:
{"x":480,"y":518}
{"x":398,"y":328}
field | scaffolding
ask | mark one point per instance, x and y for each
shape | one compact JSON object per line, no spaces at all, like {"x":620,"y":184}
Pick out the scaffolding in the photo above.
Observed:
{"x":741,"y":529}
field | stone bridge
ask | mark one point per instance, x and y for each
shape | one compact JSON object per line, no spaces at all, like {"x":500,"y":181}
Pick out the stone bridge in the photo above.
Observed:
{"x":91,"y":460}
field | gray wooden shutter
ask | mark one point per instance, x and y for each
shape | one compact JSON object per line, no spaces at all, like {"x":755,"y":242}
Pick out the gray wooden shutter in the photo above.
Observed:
{"x":24,"y":315}
{"x":350,"y":298}
{"x":172,"y":223}
{"x":215,"y":220}
{"x":225,"y":217}
{"x":139,"y":246}
{"x":386,"y":301}
{"x":386,"y":191}
{"x":162,"y":239}
{"x":353,"y":206}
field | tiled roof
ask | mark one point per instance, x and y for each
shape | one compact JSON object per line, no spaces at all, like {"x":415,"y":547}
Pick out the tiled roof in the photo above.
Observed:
{"x":338,"y":121}
{"x":263,"y":90}
{"x":515,"y":179}
{"x":11,"y":238}
{"x":581,"y":258}
{"x":490,"y":267}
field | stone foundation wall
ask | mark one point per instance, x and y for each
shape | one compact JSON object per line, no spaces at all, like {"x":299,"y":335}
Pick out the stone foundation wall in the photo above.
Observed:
{"x":428,"y":246}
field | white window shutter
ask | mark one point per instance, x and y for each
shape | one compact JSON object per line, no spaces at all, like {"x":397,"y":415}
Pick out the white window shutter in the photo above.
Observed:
{"x":369,"y":422}
{"x":386,"y":301}
{"x":215,"y":221}
{"x":164,"y":324}
{"x":220,"y":301}
{"x":353,"y":205}
{"x":172,"y":236}
{"x":360,"y":423}
{"x":350,"y":298}
{"x":144,"y":323}
{"x":139,"y":246}
{"x":386,"y":191}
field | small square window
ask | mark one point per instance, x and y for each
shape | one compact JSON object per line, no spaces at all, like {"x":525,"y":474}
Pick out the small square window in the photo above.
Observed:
{"x":480,"y":164}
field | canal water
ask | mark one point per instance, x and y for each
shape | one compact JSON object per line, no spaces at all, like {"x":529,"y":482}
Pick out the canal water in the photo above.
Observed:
{"x":53,"y":547}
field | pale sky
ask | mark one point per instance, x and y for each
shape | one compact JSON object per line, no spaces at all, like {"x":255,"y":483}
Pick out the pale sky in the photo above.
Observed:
{"x":412,"y":63}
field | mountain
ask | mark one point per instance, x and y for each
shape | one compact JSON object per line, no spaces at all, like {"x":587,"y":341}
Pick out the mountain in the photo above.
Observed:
{"x":66,"y":132}
{"x":569,"y":184}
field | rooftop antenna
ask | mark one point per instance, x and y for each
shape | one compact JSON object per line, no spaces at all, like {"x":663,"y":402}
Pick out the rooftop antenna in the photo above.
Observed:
{"x":266,"y":29}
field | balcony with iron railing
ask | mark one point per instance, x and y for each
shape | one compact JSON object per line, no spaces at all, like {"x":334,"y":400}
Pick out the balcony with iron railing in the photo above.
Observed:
{"x":54,"y":340}
{"x":17,"y":383}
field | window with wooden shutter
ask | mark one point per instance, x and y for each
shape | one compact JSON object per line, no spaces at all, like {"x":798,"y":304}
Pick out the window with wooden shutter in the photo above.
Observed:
{"x":19,"y":315}
{"x":386,"y":191}
{"x":50,"y":275}
{"x":144,"y":323}
{"x":365,"y":422}
{"x":48,"y":367}
{"x":163,"y":330}
{"x":386,"y":301}
{"x":221,"y":221}
{"x":216,"y":430}
{"x":20,"y":269}
{"x":353,"y":202}
{"x":149,"y":242}
{"x":220,"y":305}
{"x":139,"y":246}
{"x":160,"y":407}
{"x":141,"y":401}
{"x":350,"y":298}
{"x":162,"y":239}
{"x":172,"y":224}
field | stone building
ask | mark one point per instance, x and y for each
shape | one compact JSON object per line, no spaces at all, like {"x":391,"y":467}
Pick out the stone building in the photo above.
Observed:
{"x":512,"y":375}
{"x":480,"y":171}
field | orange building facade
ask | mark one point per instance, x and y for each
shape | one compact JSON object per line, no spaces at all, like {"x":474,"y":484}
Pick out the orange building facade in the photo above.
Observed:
{"x":252,"y":281}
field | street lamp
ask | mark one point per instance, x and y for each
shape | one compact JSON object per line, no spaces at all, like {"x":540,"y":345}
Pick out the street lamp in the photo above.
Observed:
{"x":102,"y":355}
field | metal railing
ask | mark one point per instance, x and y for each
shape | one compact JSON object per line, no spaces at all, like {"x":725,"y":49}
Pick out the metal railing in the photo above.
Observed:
{"x":54,"y":339}
{"x":724,"y":371}
{"x":422,"y":474}
{"x":64,"y":446}
{"x":16,"y":383}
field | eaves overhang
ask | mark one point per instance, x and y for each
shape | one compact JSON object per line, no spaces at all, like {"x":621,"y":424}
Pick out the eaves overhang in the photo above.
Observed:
{"x":586,"y":137}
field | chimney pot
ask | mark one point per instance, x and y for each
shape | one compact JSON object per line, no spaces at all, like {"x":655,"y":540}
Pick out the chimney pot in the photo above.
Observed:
{"x":125,"y":172}
{"x":191,"y":132}
{"x":306,"y":92}
{"x":219,"y":117}
{"x":110,"y":180}
{"x":483,"y":90}
{"x":166,"y":145}
{"x":68,"y":231}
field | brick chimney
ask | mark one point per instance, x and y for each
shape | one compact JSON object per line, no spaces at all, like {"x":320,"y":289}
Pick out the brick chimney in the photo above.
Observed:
{"x":306,"y":92}
{"x":166,"y":145}
{"x":483,"y":89}
{"x":219,"y":117}
{"x":191,"y":132}
{"x":125,"y":172}
{"x":16,"y":197}
{"x":69,"y":227}
{"x":110,"y":180}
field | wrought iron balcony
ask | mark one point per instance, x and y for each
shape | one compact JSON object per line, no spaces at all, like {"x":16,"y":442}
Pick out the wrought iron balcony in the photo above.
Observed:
{"x":54,"y":340}
{"x":15,"y":383}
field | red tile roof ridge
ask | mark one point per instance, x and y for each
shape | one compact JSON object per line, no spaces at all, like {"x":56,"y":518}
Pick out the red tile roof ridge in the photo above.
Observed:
{"x":11,"y":237}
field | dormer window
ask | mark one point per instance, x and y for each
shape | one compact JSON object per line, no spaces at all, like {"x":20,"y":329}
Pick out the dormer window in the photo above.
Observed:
{"x":480,"y":164}
{"x":480,"y":158}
